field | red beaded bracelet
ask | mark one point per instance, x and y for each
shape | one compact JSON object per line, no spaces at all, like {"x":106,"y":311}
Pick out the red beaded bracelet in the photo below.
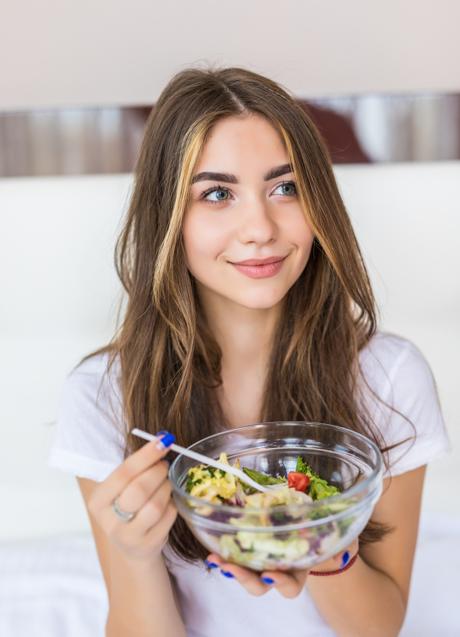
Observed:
{"x":338,"y":571}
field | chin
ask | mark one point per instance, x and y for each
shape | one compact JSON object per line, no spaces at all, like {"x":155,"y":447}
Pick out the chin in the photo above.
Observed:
{"x":260,"y":301}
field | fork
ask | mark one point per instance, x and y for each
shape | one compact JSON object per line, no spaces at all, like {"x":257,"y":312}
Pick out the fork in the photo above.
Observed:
{"x":213,"y":463}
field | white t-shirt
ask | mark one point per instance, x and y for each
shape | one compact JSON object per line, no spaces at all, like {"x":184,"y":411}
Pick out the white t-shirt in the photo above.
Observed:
{"x":89,"y":443}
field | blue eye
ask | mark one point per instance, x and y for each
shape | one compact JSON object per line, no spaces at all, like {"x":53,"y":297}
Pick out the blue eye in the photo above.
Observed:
{"x":216,"y":189}
{"x":226,"y":192}
{"x":290,"y":184}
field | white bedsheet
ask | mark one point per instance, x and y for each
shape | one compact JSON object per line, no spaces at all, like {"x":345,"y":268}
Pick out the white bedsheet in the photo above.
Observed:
{"x":51,"y":588}
{"x":54,"y":588}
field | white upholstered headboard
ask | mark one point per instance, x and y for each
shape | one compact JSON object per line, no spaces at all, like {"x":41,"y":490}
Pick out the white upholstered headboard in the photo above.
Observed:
{"x":60,"y":294}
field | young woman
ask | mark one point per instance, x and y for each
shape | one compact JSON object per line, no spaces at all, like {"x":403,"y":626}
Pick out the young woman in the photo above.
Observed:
{"x":248,"y":301}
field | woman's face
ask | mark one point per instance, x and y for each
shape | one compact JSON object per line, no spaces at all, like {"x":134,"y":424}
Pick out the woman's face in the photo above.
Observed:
{"x":245,"y":213}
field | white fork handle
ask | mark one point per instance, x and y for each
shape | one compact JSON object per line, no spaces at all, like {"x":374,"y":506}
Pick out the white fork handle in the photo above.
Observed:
{"x":206,"y":460}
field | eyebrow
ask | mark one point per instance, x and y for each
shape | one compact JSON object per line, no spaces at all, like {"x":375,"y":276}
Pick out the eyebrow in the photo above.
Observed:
{"x":232,"y":179}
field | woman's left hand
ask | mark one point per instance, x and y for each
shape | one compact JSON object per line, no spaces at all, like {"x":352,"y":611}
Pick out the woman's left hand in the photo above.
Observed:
{"x":288,"y":583}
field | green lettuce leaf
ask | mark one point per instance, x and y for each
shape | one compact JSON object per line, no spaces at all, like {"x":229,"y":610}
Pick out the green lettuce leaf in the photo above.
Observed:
{"x":319,"y":488}
{"x":262,"y":478}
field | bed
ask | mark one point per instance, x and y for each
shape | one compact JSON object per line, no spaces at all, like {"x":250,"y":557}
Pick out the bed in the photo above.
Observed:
{"x":53,"y":587}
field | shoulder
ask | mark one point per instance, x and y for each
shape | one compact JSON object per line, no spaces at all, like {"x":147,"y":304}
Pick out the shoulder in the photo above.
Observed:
{"x":94,"y":376}
{"x":390,"y":350}
{"x":403,"y":402}
{"x":94,"y":367}
{"x":91,"y":392}
{"x":89,"y":437}
{"x":388,"y":359}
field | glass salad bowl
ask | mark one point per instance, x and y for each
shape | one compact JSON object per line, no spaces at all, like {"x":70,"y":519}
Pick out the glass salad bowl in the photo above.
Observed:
{"x":297,"y":535}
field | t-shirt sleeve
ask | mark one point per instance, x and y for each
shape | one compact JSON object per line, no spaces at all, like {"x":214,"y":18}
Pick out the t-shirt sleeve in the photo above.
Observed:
{"x":88,"y":439}
{"x":403,"y":379}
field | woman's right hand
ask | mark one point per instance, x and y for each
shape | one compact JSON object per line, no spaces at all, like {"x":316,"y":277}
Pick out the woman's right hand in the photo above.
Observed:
{"x":141,"y":485}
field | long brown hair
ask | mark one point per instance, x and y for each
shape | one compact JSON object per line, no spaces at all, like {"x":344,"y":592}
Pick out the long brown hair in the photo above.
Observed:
{"x":170,"y":361}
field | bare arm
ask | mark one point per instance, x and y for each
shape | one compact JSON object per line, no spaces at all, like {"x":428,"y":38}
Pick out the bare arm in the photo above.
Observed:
{"x":361,"y":602}
{"x":370,"y":599}
{"x":142,"y":602}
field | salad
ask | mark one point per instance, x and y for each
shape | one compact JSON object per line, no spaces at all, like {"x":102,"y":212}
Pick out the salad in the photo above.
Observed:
{"x":257,"y":542}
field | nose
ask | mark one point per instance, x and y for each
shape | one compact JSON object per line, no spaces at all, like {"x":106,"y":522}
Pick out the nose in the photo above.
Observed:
{"x":256,"y":223}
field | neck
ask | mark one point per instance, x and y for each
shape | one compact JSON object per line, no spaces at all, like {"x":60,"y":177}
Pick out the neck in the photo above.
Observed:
{"x":244,"y":335}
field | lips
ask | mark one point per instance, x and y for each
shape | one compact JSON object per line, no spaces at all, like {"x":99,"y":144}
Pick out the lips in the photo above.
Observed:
{"x":260,"y":268}
{"x":265,"y":261}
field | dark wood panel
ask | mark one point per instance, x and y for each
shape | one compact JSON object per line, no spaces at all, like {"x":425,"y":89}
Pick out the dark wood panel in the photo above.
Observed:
{"x":357,"y":129}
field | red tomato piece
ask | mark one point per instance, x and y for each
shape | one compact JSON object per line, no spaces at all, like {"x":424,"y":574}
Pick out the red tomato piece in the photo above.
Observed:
{"x":298,"y":480}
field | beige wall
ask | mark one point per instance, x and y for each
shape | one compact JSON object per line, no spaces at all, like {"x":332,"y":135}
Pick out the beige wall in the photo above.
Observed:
{"x":62,"y":53}
{"x":60,"y":293}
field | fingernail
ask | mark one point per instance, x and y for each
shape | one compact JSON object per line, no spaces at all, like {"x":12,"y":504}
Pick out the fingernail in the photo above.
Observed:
{"x":345,"y":559}
{"x":226,"y":573}
{"x":161,"y":433}
{"x":211,"y":564}
{"x":166,"y":441}
{"x":267,"y":580}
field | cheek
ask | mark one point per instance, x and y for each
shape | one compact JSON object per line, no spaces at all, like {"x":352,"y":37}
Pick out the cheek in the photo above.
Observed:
{"x":301,"y":235}
{"x":202,"y":240}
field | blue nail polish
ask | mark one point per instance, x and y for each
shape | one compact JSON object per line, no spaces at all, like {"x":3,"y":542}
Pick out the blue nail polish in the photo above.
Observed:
{"x":345,"y":559}
{"x":226,"y":573}
{"x":211,"y":564}
{"x":267,"y":580}
{"x":161,"y":433}
{"x":167,"y":440}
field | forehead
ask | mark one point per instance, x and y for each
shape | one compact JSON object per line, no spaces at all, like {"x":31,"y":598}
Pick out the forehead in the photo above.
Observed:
{"x":241,"y":139}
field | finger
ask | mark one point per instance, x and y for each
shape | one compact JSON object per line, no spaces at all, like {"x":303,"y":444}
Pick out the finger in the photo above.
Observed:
{"x":248,"y":579}
{"x":159,"y":533}
{"x":341,"y":559}
{"x":289,"y":585}
{"x":134,"y":465}
{"x":213,"y":559}
{"x":352,"y":548}
{"x":155,"y":539}
{"x":141,"y":489}
{"x":135,"y":496}
{"x":152,"y":511}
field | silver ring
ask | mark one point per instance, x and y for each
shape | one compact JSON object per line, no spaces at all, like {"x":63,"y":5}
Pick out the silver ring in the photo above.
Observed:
{"x":123,"y":515}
